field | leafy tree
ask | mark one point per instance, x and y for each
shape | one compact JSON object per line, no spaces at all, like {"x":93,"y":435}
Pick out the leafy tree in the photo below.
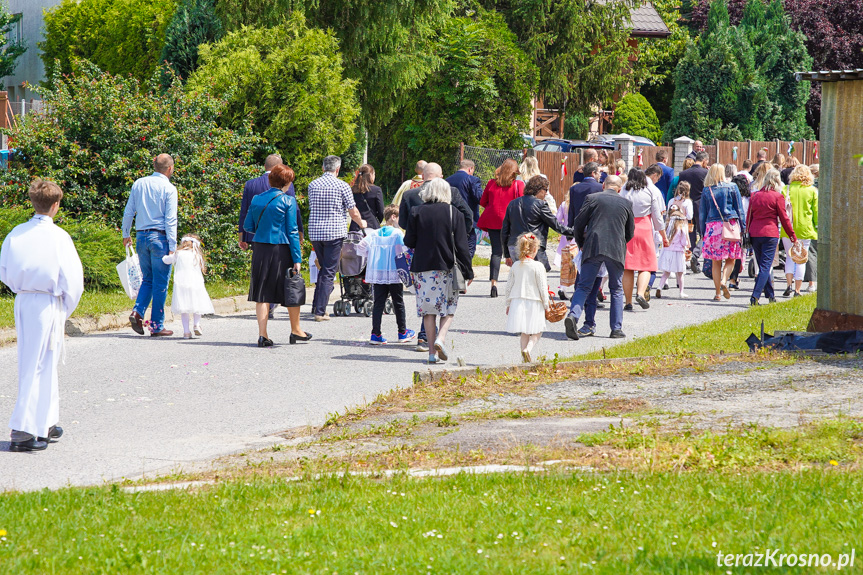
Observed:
{"x":388,"y":46}
{"x":635,"y":116}
{"x":580,"y":47}
{"x":779,"y":53}
{"x":119,"y":36}
{"x":194,"y":23}
{"x":718,"y":91}
{"x":10,"y":51}
{"x":482,"y":96}
{"x":288,"y":81}
{"x":99,"y":133}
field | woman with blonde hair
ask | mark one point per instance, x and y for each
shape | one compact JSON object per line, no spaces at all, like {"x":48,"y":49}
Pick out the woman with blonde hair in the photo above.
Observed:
{"x":721,"y":209}
{"x":759,"y":175}
{"x":498,"y":193}
{"x":787,"y":168}
{"x":529,"y":168}
{"x":778,"y":161}
{"x":803,"y":197}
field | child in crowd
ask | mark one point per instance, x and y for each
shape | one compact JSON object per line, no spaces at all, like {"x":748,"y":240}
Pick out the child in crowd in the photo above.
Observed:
{"x":381,"y":248}
{"x":566,"y":251}
{"x":682,"y":201}
{"x":527,"y":295}
{"x":673,"y":258}
{"x":190,"y":298}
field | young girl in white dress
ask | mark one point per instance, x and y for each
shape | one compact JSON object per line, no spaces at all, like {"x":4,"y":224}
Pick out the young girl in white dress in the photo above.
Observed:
{"x":527,"y":295}
{"x":190,"y":298}
{"x":673,"y":258}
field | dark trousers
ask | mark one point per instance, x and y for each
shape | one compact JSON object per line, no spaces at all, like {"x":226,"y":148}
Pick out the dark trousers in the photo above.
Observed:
{"x":811,"y":274}
{"x":396,"y":292}
{"x":693,"y":235}
{"x":328,"y":254}
{"x":471,"y":242}
{"x":587,"y":287}
{"x":496,"y":254}
{"x":765,"y":251}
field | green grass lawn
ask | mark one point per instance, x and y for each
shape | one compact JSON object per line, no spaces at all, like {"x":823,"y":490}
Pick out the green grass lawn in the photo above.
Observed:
{"x":727,"y":334}
{"x":96,"y":303}
{"x":514,"y":523}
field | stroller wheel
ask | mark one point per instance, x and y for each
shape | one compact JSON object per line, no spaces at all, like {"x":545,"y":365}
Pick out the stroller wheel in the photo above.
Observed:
{"x":388,"y":307}
{"x":358,"y":306}
{"x":337,"y":308}
{"x":368,"y":308}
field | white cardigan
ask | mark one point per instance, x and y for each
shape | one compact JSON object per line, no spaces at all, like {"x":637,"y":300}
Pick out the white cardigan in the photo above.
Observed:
{"x":527,"y":280}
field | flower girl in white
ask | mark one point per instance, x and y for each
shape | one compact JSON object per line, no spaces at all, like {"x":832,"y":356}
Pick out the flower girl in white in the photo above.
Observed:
{"x":527,"y":295}
{"x":190,"y":297}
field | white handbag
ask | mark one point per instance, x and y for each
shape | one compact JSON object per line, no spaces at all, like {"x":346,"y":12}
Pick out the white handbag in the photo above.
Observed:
{"x":130,"y":273}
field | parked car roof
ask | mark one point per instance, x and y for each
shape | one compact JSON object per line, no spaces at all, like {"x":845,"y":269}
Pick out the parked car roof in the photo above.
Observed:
{"x":558,"y":145}
{"x":639,"y":140}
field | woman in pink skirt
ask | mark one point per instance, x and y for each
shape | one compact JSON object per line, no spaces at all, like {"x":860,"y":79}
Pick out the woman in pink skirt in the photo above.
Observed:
{"x":647,"y":207}
{"x":721,"y":204}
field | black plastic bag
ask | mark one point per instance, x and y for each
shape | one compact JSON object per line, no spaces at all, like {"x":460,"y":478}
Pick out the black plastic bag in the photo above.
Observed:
{"x":295,"y":289}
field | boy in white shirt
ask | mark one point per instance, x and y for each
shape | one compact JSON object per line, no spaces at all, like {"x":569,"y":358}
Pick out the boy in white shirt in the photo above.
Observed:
{"x":38,"y":262}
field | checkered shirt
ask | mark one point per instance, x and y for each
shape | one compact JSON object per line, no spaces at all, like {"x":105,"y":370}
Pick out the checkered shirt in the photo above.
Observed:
{"x":329,"y":199}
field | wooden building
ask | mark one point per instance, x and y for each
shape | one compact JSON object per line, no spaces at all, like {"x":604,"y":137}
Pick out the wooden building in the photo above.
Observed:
{"x":548,"y":120}
{"x":840,"y":201}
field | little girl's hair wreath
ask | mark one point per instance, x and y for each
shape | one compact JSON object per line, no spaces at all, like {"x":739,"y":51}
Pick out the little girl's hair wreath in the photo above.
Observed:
{"x":193,"y":242}
{"x":528,"y":245}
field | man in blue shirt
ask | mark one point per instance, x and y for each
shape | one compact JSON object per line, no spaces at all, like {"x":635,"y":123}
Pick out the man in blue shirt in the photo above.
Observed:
{"x":153,"y":206}
{"x":471,"y":190}
{"x":667,"y":173}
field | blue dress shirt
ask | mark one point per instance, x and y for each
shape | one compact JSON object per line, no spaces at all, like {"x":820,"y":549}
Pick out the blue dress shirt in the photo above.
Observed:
{"x":153,"y":205}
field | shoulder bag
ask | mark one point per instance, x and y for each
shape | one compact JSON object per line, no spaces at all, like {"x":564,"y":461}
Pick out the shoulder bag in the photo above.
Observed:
{"x":459,"y":282}
{"x":295,"y":289}
{"x":730,"y":231}
{"x":369,"y":209}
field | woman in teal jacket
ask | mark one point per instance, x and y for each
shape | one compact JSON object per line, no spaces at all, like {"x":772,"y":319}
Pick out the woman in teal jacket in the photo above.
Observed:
{"x":272,"y":217}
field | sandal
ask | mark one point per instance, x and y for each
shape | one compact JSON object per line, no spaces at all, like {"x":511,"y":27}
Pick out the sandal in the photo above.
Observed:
{"x":725,"y":291}
{"x":717,"y":298}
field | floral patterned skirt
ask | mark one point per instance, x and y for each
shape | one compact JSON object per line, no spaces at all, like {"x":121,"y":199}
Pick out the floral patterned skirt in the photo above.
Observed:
{"x":717,"y":249}
{"x":436,"y":293}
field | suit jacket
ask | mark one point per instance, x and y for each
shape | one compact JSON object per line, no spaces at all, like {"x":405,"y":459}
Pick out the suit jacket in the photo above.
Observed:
{"x":695,"y":176}
{"x":604,"y":226}
{"x":577,"y":194}
{"x":470,"y":188}
{"x":411,"y":199}
{"x":256,"y":187}
{"x":664,"y":183}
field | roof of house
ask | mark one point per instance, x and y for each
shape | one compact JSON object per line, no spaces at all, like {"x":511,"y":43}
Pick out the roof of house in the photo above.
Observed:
{"x":647,"y":23}
{"x":831,"y":75}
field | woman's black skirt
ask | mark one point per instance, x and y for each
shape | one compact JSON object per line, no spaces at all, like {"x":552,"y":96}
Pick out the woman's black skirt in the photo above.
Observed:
{"x":270,"y":265}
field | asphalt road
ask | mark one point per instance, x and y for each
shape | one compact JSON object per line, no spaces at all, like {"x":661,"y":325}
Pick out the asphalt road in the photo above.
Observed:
{"x":134,"y":405}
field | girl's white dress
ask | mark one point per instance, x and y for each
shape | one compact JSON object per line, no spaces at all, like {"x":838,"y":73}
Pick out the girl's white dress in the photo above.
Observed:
{"x":527,"y":297}
{"x":673,"y":258}
{"x":190,"y":294}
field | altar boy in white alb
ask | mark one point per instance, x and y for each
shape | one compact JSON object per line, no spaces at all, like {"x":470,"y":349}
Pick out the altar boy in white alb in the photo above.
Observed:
{"x":38,"y":262}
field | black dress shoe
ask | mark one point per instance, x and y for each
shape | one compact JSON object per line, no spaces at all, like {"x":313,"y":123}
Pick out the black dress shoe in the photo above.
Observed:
{"x":617,"y":334}
{"x":493,"y":291}
{"x":627,"y":307}
{"x":54,"y":432}
{"x":561,"y":295}
{"x":137,"y":322}
{"x":639,"y":299}
{"x":570,"y":327}
{"x":31,"y":444}
{"x":753,"y":302}
{"x":295,"y":338}
{"x":264,"y":341}
{"x":787,"y":292}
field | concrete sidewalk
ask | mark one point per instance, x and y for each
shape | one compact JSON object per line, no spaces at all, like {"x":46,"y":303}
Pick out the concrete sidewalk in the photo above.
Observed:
{"x":134,"y":405}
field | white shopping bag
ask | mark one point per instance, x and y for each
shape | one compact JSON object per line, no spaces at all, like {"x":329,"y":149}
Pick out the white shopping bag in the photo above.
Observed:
{"x":130,"y":273}
{"x":313,"y":268}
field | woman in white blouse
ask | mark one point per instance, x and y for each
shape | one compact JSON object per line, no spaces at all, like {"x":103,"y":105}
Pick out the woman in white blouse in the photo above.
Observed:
{"x":647,"y":207}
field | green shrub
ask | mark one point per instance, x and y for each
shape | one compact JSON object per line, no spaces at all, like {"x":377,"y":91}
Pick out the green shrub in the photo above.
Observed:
{"x":635,"y":116}
{"x":99,"y":133}
{"x":194,"y":23}
{"x":98,"y":246}
{"x":119,"y":36}
{"x":288,"y":82}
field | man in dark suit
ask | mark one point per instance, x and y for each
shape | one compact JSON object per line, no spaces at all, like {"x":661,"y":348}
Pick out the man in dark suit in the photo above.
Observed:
{"x":602,"y":229}
{"x":665,"y":180}
{"x":579,"y":192}
{"x":471,"y":192}
{"x":256,"y":187}
{"x":587,"y":156}
{"x":695,"y":177}
{"x":697,"y":146}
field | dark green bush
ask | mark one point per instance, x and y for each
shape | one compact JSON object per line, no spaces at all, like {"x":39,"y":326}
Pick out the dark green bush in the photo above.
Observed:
{"x":635,"y":116}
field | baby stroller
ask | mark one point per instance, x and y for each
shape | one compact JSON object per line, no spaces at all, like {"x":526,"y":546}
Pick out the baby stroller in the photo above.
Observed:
{"x":354,"y":290}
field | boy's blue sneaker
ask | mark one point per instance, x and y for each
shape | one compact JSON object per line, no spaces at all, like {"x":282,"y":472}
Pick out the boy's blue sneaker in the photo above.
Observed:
{"x":377,"y":340}
{"x":406,"y":336}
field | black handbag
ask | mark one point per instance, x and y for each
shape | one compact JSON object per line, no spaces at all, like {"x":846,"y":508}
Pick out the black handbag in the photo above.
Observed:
{"x":295,"y":289}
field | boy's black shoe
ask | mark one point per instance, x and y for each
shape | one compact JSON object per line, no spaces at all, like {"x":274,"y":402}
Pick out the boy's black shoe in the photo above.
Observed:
{"x":31,"y":444}
{"x":617,"y":334}
{"x":54,"y":432}
{"x":570,"y":326}
{"x":753,"y":302}
{"x":561,"y":295}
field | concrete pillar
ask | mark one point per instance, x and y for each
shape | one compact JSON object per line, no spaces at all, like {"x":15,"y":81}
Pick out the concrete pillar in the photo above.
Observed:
{"x":626,"y":145}
{"x":682,"y":148}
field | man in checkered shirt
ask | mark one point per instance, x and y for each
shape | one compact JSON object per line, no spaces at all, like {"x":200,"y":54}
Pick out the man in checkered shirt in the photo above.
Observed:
{"x":329,"y":199}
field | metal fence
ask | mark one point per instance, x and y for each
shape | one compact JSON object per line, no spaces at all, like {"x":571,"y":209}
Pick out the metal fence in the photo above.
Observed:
{"x":487,"y":160}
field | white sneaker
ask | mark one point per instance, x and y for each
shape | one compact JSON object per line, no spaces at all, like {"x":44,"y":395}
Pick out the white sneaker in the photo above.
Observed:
{"x":683,"y":295}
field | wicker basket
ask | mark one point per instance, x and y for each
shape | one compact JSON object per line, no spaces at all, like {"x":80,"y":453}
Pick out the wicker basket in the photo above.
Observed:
{"x":799,"y":254}
{"x":556,"y":312}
